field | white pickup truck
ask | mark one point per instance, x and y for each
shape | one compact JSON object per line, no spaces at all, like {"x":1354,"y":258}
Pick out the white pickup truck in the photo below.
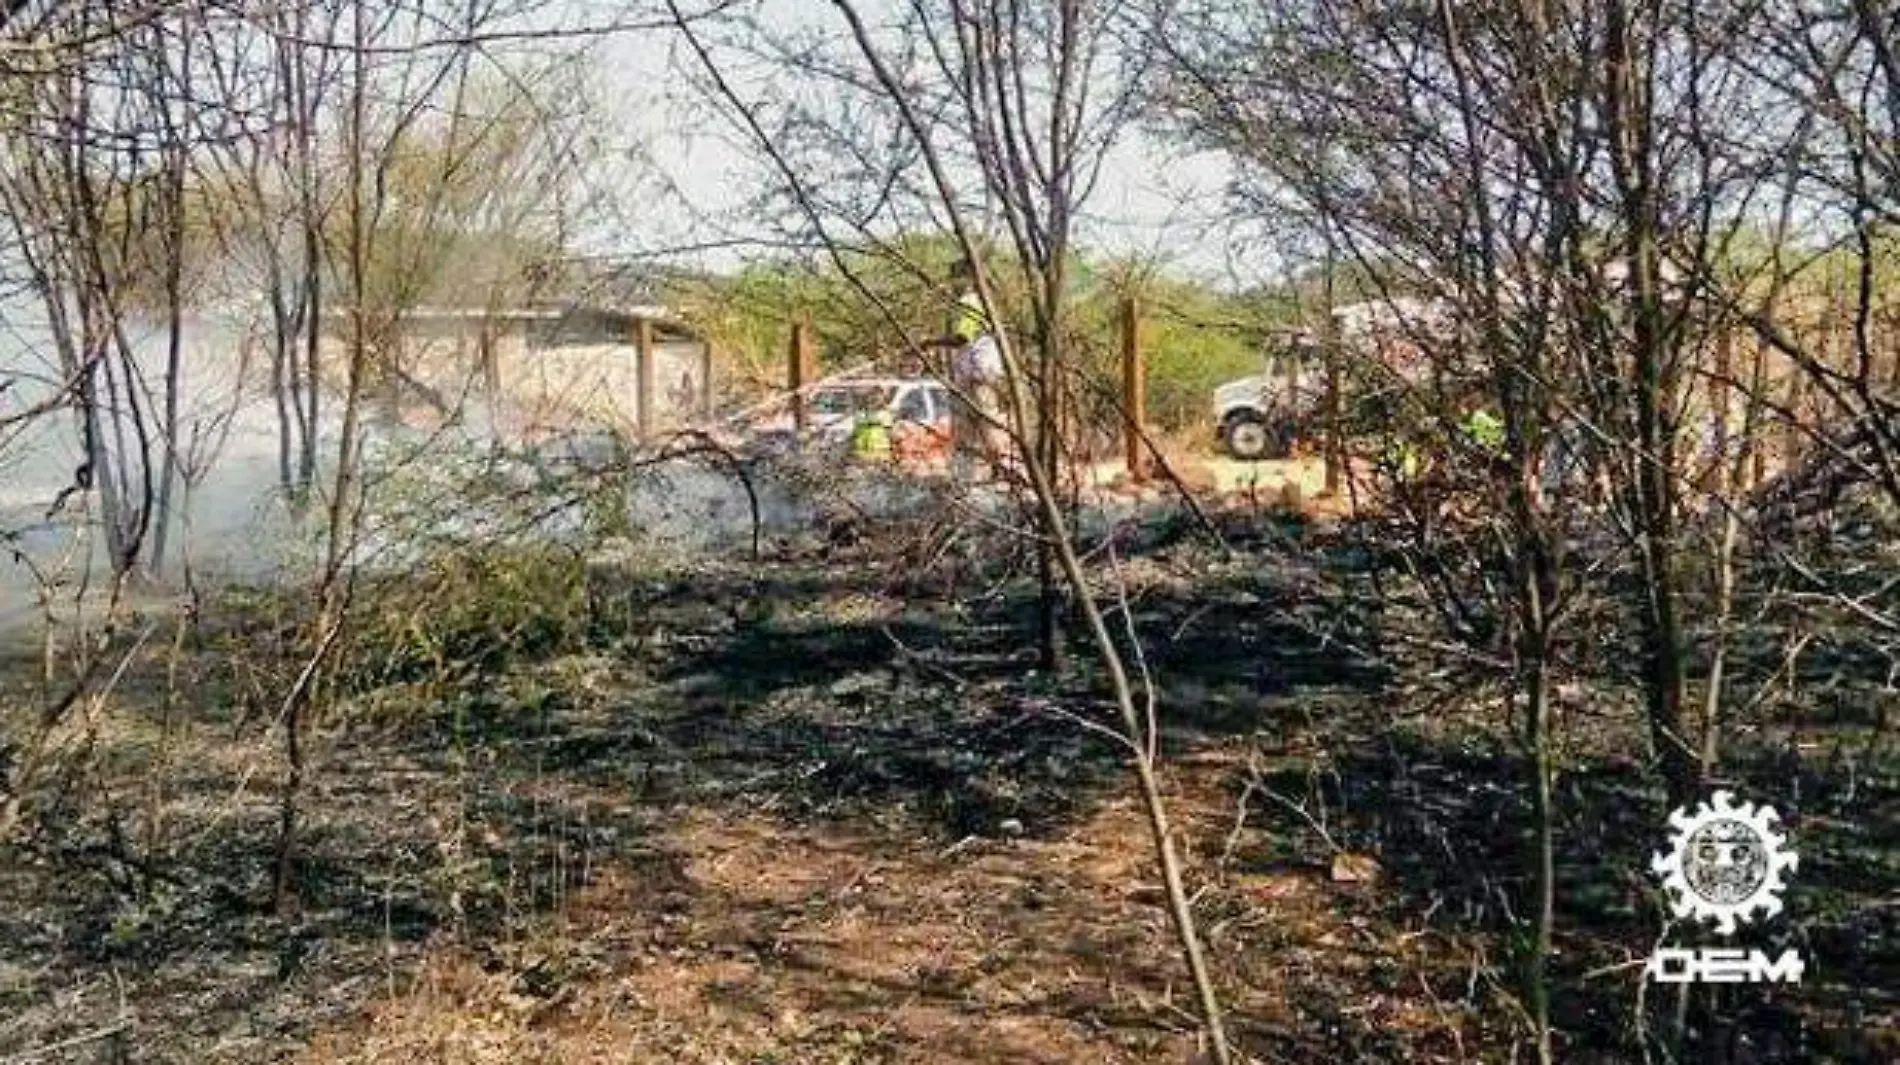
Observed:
{"x":920,"y":410}
{"x":1260,"y":417}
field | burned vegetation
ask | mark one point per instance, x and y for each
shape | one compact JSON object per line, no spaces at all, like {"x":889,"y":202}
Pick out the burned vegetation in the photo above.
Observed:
{"x":943,"y":634}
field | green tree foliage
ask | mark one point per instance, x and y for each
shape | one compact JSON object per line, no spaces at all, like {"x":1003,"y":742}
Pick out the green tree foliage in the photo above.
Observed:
{"x":865,"y":306}
{"x":1195,"y":337}
{"x":472,"y":202}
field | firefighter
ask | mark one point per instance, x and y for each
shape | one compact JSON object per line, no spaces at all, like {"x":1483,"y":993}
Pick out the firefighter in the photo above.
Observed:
{"x":1405,"y":463}
{"x":1402,"y":458}
{"x":975,"y":371}
{"x":1486,"y":431}
{"x":871,"y":436}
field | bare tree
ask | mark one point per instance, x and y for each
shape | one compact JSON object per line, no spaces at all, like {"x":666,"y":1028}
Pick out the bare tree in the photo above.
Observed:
{"x":962,"y":109}
{"x":391,"y":84}
{"x":1817,"y":298}
{"x":1558,"y":179}
{"x":70,"y":199}
{"x":285,"y":66}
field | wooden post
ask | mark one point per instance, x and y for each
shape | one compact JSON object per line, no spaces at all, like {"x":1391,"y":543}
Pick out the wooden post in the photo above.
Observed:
{"x":800,"y":373}
{"x":491,"y":377}
{"x":705,"y":379}
{"x":1758,"y":375}
{"x":1335,"y":410}
{"x":1134,"y":393}
{"x":1885,"y":332}
{"x":1721,"y":400}
{"x":643,"y":375}
{"x":1335,"y":403}
{"x":1792,"y":444}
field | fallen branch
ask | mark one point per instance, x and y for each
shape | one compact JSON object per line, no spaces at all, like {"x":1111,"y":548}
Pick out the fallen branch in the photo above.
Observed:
{"x":42,"y":1053}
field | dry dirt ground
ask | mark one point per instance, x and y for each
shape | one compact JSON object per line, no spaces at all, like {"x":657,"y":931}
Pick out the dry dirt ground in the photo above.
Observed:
{"x":759,"y":941}
{"x":816,"y":810}
{"x":1217,"y":478}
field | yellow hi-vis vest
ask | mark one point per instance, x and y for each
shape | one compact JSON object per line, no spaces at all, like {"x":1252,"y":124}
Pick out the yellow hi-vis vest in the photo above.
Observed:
{"x":1485,"y":430}
{"x":871,"y":436}
{"x":1404,"y":458}
{"x":967,"y":320}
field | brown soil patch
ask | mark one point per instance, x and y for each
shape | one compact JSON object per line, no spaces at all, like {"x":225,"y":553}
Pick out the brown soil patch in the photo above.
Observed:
{"x":796,"y":943}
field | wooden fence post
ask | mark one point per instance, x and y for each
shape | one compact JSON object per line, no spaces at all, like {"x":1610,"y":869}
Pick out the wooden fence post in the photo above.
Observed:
{"x":1721,"y":405}
{"x":800,"y":373}
{"x":1758,"y":377}
{"x":643,"y":375}
{"x":1134,"y":393}
{"x":1335,"y":444}
{"x":1792,"y":440}
{"x":706,"y":379}
{"x":1723,"y":400}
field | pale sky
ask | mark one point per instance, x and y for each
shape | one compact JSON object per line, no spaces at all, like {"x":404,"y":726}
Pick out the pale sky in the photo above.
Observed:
{"x":1153,"y":200}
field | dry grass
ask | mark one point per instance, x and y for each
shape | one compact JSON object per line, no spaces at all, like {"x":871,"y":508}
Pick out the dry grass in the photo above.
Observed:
{"x":831,"y":944}
{"x":819,"y":811}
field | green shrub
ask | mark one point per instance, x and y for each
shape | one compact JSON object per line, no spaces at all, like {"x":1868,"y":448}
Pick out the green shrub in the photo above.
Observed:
{"x":468,"y":612}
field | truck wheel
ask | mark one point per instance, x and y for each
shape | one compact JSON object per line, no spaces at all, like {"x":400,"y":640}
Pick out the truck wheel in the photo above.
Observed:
{"x":1247,"y":437}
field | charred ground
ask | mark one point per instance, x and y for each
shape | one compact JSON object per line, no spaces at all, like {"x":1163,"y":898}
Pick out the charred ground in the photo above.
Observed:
{"x":821,"y":807}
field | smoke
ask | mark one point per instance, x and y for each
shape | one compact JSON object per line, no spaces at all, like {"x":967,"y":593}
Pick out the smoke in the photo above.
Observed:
{"x":225,"y":515}
{"x":422,"y":490}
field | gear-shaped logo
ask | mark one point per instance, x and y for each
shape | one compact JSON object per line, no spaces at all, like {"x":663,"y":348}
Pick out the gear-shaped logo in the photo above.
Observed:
{"x":1725,"y":862}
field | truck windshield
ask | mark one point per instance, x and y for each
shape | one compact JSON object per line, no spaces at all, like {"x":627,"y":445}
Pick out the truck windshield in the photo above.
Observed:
{"x":859,"y":400}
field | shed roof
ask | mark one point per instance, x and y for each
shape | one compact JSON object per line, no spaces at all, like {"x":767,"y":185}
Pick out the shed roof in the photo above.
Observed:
{"x":667,"y":324}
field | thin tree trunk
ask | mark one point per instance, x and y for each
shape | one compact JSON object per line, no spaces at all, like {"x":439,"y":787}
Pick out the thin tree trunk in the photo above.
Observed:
{"x":174,"y":357}
{"x":1540,"y":566}
{"x":1544,"y":881}
{"x":1059,"y":539}
{"x":309,"y":376}
{"x":284,"y":339}
{"x":332,"y":587}
{"x":1048,"y":453}
{"x":1629,"y":113}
